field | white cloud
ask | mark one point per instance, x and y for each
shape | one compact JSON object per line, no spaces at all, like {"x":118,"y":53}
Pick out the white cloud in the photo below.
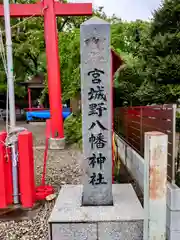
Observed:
{"x":127,"y":9}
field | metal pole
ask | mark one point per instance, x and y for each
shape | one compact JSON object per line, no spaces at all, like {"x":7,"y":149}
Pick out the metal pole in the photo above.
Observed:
{"x":15,"y":174}
{"x":10,"y":80}
{"x":9,"y":64}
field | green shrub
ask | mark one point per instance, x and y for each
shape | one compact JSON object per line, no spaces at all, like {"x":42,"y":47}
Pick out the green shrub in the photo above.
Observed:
{"x":73,"y":129}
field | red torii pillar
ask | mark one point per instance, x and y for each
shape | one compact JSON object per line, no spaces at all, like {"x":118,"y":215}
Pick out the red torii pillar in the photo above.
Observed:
{"x":50,"y":9}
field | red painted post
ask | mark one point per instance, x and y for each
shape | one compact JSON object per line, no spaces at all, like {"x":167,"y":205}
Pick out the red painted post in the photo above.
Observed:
{"x":3,"y":197}
{"x":26,"y":169}
{"x":5,"y":174}
{"x":53,"y":69}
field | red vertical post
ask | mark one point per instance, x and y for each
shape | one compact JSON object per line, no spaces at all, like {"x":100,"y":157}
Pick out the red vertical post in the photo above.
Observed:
{"x":5,"y":174}
{"x":3,"y":197}
{"x":53,"y":69}
{"x":26,"y":169}
{"x":9,"y":182}
{"x":29,"y":98}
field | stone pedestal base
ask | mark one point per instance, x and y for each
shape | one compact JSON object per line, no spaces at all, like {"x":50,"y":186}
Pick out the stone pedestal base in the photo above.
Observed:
{"x":70,"y":221}
{"x":56,"y":143}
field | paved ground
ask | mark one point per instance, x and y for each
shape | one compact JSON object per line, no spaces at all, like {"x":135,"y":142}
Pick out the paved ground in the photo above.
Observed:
{"x":63,"y":167}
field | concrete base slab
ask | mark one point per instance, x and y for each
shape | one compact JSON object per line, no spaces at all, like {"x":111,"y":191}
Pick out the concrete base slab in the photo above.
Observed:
{"x":56,"y":143}
{"x":70,"y":220}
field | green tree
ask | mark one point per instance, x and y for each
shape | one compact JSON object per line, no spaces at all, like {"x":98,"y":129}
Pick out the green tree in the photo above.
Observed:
{"x":161,"y":49}
{"x":157,"y":55}
{"x":29,"y":50}
{"x":128,"y":79}
{"x":166,"y":18}
{"x":127,"y":38}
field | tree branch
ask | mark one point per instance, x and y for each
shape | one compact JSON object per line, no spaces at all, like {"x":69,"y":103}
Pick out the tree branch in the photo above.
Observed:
{"x":24,"y":64}
{"x":34,"y":59}
{"x":63,"y":24}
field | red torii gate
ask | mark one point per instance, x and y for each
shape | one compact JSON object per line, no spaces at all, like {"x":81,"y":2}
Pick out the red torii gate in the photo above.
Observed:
{"x":50,"y":9}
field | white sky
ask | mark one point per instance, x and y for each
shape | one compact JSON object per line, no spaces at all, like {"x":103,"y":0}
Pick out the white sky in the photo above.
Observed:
{"x":127,"y":9}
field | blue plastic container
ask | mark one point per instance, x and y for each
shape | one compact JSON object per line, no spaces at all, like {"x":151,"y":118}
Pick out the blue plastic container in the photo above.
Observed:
{"x":45,"y":114}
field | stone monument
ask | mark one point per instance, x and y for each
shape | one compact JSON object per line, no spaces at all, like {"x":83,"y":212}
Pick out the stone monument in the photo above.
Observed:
{"x":96,"y":98}
{"x":97,"y":210}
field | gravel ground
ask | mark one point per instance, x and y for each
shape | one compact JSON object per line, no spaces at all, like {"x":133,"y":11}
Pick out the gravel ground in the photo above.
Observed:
{"x":63,"y":168}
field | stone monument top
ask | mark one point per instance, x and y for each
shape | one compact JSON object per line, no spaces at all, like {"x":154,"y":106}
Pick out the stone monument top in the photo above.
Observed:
{"x":94,"y":20}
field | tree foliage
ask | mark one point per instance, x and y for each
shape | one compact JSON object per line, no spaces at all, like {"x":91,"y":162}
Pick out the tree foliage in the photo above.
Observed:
{"x":166,"y":18}
{"x":157,"y":59}
{"x":72,"y":128}
{"x":29,"y":51}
